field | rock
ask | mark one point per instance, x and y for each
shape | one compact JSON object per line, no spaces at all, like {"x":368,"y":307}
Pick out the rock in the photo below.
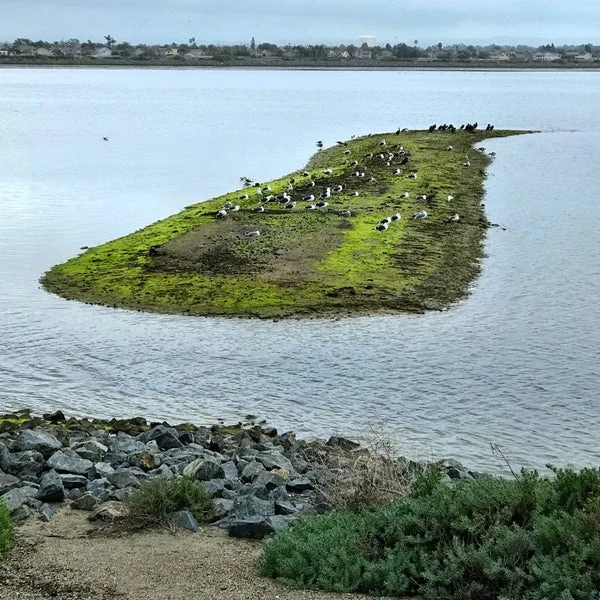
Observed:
{"x":55,"y":417}
{"x":46,"y":512}
{"x":269,"y":479}
{"x":223,"y":507}
{"x":341,"y":442}
{"x":121,"y":494}
{"x":8,"y":482}
{"x":68,"y":461}
{"x":51,"y":487}
{"x":87,"y":501}
{"x":288,"y":440}
{"x":280,"y":522}
{"x":166,"y":437}
{"x":123,"y":478}
{"x":163,"y":472}
{"x":300,"y":485}
{"x":21,"y":513}
{"x":4,"y":458}
{"x":16,"y":497}
{"x":91,"y":450}
{"x":275,"y":460}
{"x":101,"y":469}
{"x":251,"y":471}
{"x":204,"y":469}
{"x":214,"y":487}
{"x":144,"y":460}
{"x":100,"y":489}
{"x":71,"y":480}
{"x":249,"y":527}
{"x":40,"y":441}
{"x":108,"y":511}
{"x":125,"y":444}
{"x":230,"y":470}
{"x":28,"y":463}
{"x":251,"y":506}
{"x":184,"y":519}
{"x":283,"y":507}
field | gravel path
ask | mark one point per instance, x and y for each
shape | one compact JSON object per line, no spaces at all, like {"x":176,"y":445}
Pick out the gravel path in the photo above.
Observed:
{"x":66,"y":559}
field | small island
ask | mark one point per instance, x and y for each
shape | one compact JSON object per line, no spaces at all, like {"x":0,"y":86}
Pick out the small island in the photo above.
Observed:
{"x":382,"y":223}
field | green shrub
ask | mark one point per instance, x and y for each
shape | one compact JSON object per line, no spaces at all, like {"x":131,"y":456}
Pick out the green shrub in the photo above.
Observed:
{"x":150,"y":504}
{"x":5,"y":529}
{"x":531,"y":538}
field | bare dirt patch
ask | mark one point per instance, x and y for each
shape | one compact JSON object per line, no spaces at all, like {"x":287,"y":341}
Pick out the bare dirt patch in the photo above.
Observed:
{"x":68,"y":559}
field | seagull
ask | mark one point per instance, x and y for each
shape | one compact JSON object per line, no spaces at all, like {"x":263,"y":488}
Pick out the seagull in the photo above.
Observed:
{"x":255,"y":233}
{"x":420,"y":215}
{"x":328,"y":171}
{"x":319,"y":144}
{"x":345,"y":213}
{"x":322,"y":204}
{"x":412,"y":176}
{"x":326,"y":193}
{"x":397,"y":172}
{"x":105,"y":138}
{"x":405,"y":195}
{"x":382,"y":143}
{"x":311,"y":207}
{"x":308,"y":198}
{"x":449,"y":148}
{"x":243,"y":197}
{"x":337,"y":189}
{"x":221,"y":214}
{"x":453,"y":219}
{"x":305,"y":174}
{"x":259,"y":209}
{"x":383,"y":226}
{"x":227,"y":205}
{"x":450,"y":197}
{"x":467,"y":163}
{"x":342,"y":143}
{"x":290,"y":205}
{"x":346,"y":152}
{"x":234,"y":208}
{"x":396,"y":217}
{"x":386,"y":220}
{"x":355,"y":194}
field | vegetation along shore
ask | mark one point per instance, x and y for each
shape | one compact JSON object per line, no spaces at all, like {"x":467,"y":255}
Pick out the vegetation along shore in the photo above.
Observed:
{"x":379,"y":223}
{"x":82,"y":504}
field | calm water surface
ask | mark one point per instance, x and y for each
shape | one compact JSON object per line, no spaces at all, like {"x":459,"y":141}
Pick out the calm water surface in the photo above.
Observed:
{"x":517,"y":364}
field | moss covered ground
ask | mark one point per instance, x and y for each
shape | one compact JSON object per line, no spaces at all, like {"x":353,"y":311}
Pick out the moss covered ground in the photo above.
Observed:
{"x":310,"y":262}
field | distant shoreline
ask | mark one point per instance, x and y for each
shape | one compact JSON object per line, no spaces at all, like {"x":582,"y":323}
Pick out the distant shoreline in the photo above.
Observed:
{"x":299,"y":66}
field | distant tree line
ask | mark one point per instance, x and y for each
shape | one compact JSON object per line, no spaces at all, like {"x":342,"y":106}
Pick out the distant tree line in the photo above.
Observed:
{"x":111,"y":49}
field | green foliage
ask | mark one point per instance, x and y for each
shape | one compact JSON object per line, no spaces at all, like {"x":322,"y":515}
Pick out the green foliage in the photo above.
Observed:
{"x":5,"y":529}
{"x":531,"y":538}
{"x":150,"y":504}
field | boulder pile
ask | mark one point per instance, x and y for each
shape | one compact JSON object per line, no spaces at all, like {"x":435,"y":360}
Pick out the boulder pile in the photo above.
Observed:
{"x":259,"y":480}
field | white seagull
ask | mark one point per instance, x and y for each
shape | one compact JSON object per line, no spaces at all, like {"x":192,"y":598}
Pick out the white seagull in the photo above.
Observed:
{"x":420,"y":215}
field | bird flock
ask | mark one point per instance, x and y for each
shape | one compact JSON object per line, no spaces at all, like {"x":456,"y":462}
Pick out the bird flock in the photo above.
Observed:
{"x":314,"y":191}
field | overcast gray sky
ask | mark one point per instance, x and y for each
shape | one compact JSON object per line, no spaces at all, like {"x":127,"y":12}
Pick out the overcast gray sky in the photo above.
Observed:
{"x":304,"y":21}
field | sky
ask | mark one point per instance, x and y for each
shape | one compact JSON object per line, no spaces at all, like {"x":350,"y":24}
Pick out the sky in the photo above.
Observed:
{"x":482,"y":22}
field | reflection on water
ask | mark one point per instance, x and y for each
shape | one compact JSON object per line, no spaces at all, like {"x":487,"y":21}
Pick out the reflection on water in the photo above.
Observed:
{"x":515,"y":365}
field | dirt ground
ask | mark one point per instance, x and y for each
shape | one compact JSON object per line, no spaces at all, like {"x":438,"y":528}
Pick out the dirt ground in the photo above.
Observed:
{"x":68,"y":559}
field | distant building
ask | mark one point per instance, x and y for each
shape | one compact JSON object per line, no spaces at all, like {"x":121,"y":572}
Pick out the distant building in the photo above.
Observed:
{"x":546,"y":56}
{"x":499,"y":56}
{"x":584,"y":57}
{"x":103,"y":52}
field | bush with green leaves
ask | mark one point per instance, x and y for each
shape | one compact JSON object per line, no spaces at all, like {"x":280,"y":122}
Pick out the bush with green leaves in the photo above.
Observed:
{"x":151,"y":503}
{"x":532,"y":538}
{"x":5,"y":529}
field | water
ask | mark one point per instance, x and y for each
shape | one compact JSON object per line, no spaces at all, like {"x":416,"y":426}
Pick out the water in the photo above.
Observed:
{"x":514,"y":365}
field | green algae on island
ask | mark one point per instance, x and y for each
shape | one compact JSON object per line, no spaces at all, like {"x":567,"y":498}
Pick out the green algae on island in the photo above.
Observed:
{"x":359,"y":249}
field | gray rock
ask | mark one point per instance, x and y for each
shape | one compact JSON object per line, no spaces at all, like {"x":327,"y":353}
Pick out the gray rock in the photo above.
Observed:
{"x":21,"y":513}
{"x":249,"y":527}
{"x":28,"y":463}
{"x":184,"y":519}
{"x":166,"y":437}
{"x":121,"y":494}
{"x":144,"y":460}
{"x":70,"y":480}
{"x":68,"y":461}
{"x":276,"y":460}
{"x":204,"y":469}
{"x":108,"y":511}
{"x":15,"y":498}
{"x":101,"y":469}
{"x":280,"y":522}
{"x":46,"y":512}
{"x":125,"y":444}
{"x":223,"y":507}
{"x":215,"y":487}
{"x":251,"y":471}
{"x":8,"y":482}
{"x":51,"y":487}
{"x":341,"y":442}
{"x":91,"y":450}
{"x":100,"y":488}
{"x":163,"y":472}
{"x":269,"y":479}
{"x":300,"y":485}
{"x":124,"y":478}
{"x":40,"y":441}
{"x":251,"y":506}
{"x":230,"y":470}
{"x":283,"y":507}
{"x":87,"y":501}
{"x":4,"y":457}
